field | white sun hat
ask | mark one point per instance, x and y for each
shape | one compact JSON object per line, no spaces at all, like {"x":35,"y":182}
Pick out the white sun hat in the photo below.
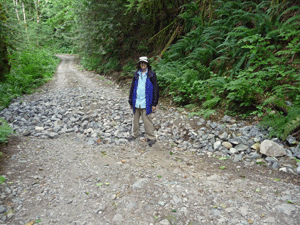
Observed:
{"x":143,"y":59}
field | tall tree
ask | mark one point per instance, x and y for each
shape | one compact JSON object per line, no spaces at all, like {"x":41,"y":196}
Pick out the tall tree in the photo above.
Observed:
{"x":4,"y":63}
{"x":16,"y":9}
{"x":25,"y":22}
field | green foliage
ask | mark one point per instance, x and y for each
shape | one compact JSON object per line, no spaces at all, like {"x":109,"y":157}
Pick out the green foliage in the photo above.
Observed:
{"x":4,"y":43}
{"x":241,"y":56}
{"x":30,"y":69}
{"x":2,"y":179}
{"x":282,"y":125}
{"x":5,"y":131}
{"x":249,"y":54}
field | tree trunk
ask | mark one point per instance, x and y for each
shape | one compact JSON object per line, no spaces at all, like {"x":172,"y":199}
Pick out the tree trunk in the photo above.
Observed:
{"x":17,"y":12}
{"x":37,"y":3}
{"x":24,"y":14}
{"x":4,"y":62}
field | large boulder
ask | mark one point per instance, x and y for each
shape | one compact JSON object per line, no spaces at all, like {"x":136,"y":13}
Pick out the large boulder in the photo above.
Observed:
{"x":272,"y":149}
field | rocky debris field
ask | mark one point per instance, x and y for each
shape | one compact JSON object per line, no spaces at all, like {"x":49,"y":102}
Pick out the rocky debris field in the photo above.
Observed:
{"x":70,"y":163}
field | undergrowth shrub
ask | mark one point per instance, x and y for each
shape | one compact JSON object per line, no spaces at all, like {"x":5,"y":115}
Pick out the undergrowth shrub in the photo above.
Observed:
{"x":248,"y":51}
{"x":30,"y":69}
{"x":91,"y":62}
{"x":282,"y":125}
{"x":5,"y":131}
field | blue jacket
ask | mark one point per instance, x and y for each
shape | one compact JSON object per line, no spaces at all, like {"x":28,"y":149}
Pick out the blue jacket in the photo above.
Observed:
{"x":152,"y":94}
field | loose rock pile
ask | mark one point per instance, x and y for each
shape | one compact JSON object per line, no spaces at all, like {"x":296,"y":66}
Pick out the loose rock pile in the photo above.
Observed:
{"x":107,"y":120}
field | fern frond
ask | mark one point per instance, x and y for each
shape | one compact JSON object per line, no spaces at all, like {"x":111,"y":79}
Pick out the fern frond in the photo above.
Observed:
{"x":276,"y":103}
{"x":290,"y":20}
{"x":293,"y":124}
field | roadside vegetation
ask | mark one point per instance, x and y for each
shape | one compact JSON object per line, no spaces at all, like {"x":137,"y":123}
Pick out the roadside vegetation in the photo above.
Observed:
{"x":27,"y":50}
{"x":239,"y":58}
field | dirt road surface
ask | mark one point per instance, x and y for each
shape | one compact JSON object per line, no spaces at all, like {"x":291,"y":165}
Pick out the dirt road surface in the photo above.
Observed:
{"x":65,"y":180}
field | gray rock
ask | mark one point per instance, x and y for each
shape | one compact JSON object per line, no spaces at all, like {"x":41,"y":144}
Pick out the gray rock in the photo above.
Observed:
{"x":53,"y":135}
{"x":272,"y":149}
{"x":291,"y":140}
{"x":234,"y":141}
{"x":283,"y":169}
{"x":257,"y":139}
{"x":298,"y":170}
{"x":161,"y":203}
{"x":176,"y":199}
{"x":57,"y":125}
{"x":7,"y":190}
{"x":164,"y":222}
{"x":243,"y":140}
{"x":233,"y":151}
{"x":216,"y":212}
{"x":130,"y":205}
{"x":2,"y":209}
{"x":91,"y":141}
{"x":275,"y":165}
{"x":297,"y":155}
{"x":140,"y":183}
{"x":118,"y":219}
{"x":241,"y":147}
{"x":227,"y":145}
{"x":217,"y":145}
{"x":256,"y":146}
{"x":223,"y":136}
{"x":271,"y":159}
{"x":255,"y":155}
{"x":226,"y":119}
{"x":194,"y":223}
{"x":285,"y":208}
{"x":238,"y":158}
{"x":213,"y":125}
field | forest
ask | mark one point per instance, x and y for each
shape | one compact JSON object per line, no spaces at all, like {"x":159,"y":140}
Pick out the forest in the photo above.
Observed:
{"x":239,"y":58}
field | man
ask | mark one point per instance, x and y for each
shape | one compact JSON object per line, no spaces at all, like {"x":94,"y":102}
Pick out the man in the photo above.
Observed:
{"x":143,"y":98}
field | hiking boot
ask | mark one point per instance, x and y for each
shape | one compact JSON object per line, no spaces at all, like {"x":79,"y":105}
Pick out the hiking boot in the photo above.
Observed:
{"x":131,"y":138}
{"x":151,"y":142}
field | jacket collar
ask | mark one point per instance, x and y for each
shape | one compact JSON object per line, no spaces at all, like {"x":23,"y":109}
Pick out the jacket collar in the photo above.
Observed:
{"x":149,"y":73}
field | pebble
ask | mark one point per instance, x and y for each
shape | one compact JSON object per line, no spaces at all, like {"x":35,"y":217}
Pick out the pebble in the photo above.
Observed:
{"x":2,"y":209}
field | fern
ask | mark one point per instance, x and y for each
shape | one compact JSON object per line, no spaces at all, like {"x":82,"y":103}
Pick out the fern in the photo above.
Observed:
{"x":291,"y":126}
{"x":282,"y":125}
{"x":5,"y":130}
{"x":212,"y":102}
{"x":207,"y":113}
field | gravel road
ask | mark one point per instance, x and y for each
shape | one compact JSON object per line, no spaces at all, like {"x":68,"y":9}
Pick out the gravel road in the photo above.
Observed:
{"x":69,"y":175}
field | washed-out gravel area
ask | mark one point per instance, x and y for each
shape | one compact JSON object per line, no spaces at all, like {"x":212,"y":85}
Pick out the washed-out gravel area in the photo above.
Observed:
{"x":69,"y":162}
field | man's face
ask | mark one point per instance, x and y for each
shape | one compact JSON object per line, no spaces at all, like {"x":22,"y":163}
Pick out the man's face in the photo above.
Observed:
{"x":143,"y":65}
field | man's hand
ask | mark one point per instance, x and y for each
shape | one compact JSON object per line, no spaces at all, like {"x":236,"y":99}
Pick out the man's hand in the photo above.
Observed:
{"x":153,"y":109}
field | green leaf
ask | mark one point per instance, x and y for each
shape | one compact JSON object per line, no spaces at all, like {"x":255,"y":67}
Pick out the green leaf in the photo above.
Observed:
{"x":257,"y":190}
{"x":159,"y":176}
{"x":2,"y":180}
{"x":224,"y":158}
{"x":171,"y":153}
{"x":99,"y":184}
{"x":288,"y":201}
{"x":38,"y":221}
{"x":222,"y":167}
